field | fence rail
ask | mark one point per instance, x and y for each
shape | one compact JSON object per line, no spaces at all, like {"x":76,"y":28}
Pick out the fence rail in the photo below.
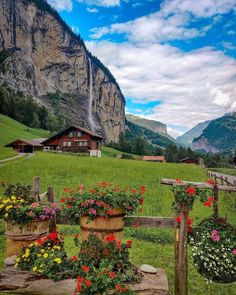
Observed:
{"x":223,"y":179}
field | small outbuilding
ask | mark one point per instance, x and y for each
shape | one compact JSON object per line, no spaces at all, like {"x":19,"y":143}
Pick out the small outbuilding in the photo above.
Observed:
{"x":154,"y":158}
{"x":75,"y":139}
{"x":190,"y":161}
{"x":26,"y":146}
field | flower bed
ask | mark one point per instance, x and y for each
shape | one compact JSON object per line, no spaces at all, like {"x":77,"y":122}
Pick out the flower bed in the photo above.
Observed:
{"x":96,"y":269}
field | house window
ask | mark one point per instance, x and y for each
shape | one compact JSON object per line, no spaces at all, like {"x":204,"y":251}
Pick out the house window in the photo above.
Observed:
{"x":69,"y":143}
{"x":64,"y":143}
{"x":71,"y":134}
{"x":85,"y":143}
{"x":81,"y":143}
{"x":79,"y":134}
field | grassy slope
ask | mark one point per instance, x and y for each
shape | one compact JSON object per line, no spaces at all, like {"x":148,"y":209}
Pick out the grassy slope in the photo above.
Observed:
{"x":11,"y":130}
{"x":60,"y":171}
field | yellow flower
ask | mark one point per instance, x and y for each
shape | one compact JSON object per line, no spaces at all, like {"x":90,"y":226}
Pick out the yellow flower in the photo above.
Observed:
{"x":27,"y":253}
{"x":39,"y":255}
{"x":13,"y":198}
{"x":9,"y":207}
{"x":34,"y":268}
{"x":42,"y":251}
{"x":6,"y":201}
{"x":57,"y":247}
{"x":31,"y":245}
{"x":1,"y":206}
{"x":40,"y":270}
{"x":6,"y":215}
{"x":57,"y":260}
{"x":45,"y":255}
{"x":18,"y":259}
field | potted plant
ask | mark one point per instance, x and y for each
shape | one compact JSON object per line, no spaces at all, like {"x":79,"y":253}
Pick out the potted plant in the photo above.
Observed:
{"x":101,"y":208}
{"x":25,"y":219}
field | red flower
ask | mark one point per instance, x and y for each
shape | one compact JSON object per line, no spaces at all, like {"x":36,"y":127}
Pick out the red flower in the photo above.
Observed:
{"x":93,"y":191}
{"x":210,"y":199}
{"x":112,"y":274}
{"x":62,"y":200}
{"x":80,"y":279}
{"x":211,"y":181}
{"x":142,"y":189}
{"x":118,"y":288}
{"x":110,"y":212}
{"x":69,"y":199}
{"x":129,"y":244}
{"x":133,"y":190}
{"x":75,"y":292}
{"x":85,"y":268}
{"x":103,"y":184}
{"x":190,"y":229}
{"x":65,"y":190}
{"x":79,"y":287}
{"x":74,"y":258}
{"x":141,"y":201}
{"x":140,"y":210}
{"x":136,"y":224}
{"x":68,"y":206}
{"x":178,"y":180}
{"x":81,"y":189}
{"x":178,"y":219}
{"x":191,"y":190}
{"x":88,"y":283}
{"x":207,"y":204}
{"x":53,"y":236}
{"x":124,"y":289}
{"x":190,"y":221}
{"x":110,"y":238}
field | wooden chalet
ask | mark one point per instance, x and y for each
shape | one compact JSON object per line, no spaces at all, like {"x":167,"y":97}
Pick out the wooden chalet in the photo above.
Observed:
{"x":154,"y":158}
{"x":75,"y":139}
{"x":26,"y":146}
{"x":190,"y":161}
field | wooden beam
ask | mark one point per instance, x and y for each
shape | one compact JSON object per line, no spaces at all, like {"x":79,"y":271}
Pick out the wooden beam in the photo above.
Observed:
{"x":202,"y":185}
{"x":52,"y":224}
{"x":144,"y":221}
{"x":36,"y":188}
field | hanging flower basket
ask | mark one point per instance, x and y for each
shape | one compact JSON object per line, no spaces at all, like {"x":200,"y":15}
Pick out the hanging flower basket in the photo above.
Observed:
{"x":213,"y":244}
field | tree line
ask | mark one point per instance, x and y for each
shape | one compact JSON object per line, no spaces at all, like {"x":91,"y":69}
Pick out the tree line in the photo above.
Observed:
{"x":28,"y":112}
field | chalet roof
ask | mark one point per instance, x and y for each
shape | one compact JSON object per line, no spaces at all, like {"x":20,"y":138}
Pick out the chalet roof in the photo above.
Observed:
{"x":32,"y":142}
{"x":93,"y":134}
{"x":188,"y":158}
{"x":153,"y":158}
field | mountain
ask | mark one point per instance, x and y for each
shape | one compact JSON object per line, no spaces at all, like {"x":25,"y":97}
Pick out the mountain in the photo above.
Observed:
{"x":40,"y":56}
{"x":187,"y":138}
{"x":133,"y":131}
{"x":155,"y":126}
{"x":218,"y":136}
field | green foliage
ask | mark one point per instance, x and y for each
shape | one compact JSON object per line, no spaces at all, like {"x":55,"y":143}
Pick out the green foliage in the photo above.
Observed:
{"x":4,"y":54}
{"x":127,"y":156}
{"x":213,"y":245}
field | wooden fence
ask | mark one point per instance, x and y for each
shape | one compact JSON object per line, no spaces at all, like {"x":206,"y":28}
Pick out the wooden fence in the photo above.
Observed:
{"x":180,"y":230}
{"x":223,"y":179}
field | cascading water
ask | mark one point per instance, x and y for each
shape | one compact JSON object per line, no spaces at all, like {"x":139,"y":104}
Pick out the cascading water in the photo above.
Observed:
{"x":90,"y":109}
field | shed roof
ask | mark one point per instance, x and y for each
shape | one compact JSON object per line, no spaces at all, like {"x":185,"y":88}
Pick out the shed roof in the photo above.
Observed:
{"x":32,"y":142}
{"x":154,"y":158}
{"x":188,"y":158}
{"x":93,"y":134}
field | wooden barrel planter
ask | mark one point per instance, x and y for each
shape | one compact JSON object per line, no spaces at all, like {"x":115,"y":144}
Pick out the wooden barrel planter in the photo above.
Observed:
{"x":19,"y":236}
{"x":103,"y":227}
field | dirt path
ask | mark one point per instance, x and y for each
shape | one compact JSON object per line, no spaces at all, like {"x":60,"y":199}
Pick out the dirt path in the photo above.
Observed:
{"x":21,"y":155}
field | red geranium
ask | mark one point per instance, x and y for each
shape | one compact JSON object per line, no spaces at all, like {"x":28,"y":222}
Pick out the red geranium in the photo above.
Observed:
{"x":191,"y":190}
{"x":88,"y":283}
{"x":85,"y":268}
{"x":129,"y":244}
{"x":112,"y":274}
{"x":110,"y":238}
{"x":178,"y":219}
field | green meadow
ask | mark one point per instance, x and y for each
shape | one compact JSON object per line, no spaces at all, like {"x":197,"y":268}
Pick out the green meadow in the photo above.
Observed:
{"x":152,"y":246}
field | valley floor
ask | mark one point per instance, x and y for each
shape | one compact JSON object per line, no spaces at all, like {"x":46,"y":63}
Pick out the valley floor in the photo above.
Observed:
{"x":151,"y":246}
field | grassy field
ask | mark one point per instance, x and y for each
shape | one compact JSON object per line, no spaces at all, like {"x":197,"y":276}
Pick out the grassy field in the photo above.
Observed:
{"x":7,"y":153}
{"x":150,"y":246}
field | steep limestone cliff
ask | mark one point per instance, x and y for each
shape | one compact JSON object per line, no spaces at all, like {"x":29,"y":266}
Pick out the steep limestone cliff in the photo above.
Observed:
{"x":45,"y":59}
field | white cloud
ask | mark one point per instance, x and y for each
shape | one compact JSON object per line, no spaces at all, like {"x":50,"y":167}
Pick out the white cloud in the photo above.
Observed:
{"x":193,"y":86}
{"x":174,"y":132}
{"x":61,"y":4}
{"x":103,"y":3}
{"x":92,"y":10}
{"x":172,"y":22}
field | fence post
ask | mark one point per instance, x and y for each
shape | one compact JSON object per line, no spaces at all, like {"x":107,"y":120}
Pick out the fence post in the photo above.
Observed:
{"x":52,"y":223}
{"x":36,"y":188}
{"x":181,"y":252}
{"x":215,"y":204}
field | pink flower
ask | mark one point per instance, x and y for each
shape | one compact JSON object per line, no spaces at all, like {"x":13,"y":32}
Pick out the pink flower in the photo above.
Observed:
{"x":234,"y":251}
{"x":34,"y":205}
{"x":91,"y":202}
{"x":93,"y":211}
{"x":215,"y":235}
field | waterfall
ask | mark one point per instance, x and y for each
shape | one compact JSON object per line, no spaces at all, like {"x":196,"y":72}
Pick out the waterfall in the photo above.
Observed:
{"x":90,"y":109}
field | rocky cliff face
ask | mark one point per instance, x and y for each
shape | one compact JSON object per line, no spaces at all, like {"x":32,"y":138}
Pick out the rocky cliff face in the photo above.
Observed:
{"x":203,"y":144}
{"x":46,"y":60}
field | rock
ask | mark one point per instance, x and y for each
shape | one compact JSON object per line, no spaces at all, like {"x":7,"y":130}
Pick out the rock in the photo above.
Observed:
{"x":21,"y":282}
{"x":148,"y":269}
{"x":10,"y":261}
{"x":46,"y":58}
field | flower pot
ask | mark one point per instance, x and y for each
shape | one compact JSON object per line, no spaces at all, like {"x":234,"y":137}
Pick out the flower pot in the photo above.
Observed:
{"x":104,"y":227}
{"x":19,"y":236}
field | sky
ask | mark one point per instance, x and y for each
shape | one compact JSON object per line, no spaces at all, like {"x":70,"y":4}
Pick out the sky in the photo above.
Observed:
{"x":175,"y":60}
